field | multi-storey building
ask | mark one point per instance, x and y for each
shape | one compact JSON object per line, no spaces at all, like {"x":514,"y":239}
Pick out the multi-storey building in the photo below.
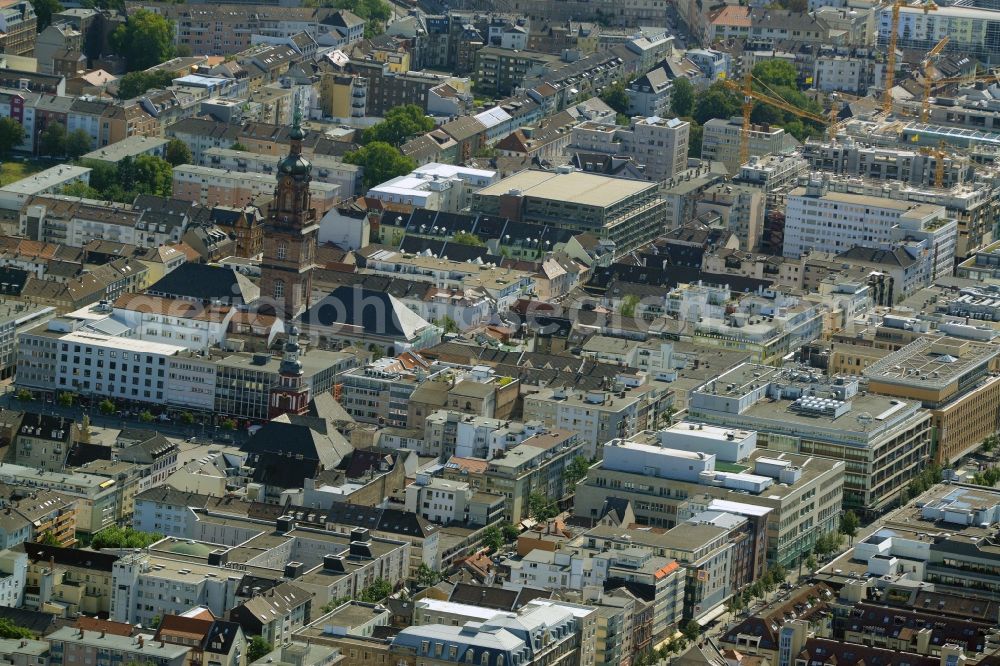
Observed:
{"x":221,"y":186}
{"x":658,"y":145}
{"x":952,"y":379}
{"x":78,"y":580}
{"x":326,"y":169}
{"x":884,"y":442}
{"x":625,"y":212}
{"x":600,"y":416}
{"x":721,"y":141}
{"x":536,"y":465}
{"x":17,"y":27}
{"x":818,"y":219}
{"x":672,"y":475}
{"x":70,"y":645}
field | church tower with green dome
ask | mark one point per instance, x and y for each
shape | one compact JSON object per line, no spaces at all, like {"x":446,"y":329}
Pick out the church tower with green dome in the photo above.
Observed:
{"x":289,"y":247}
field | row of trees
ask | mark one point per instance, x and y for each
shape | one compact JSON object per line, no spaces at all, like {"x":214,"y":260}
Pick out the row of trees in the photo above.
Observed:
{"x":124,"y":181}
{"x":123,"y":537}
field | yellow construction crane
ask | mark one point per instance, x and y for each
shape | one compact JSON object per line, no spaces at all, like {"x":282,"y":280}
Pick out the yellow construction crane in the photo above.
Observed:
{"x":925,"y":109}
{"x":890,"y":69}
{"x":749,"y":95}
{"x":939,"y":154}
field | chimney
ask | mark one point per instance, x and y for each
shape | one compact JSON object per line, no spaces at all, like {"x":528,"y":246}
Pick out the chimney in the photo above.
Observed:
{"x":142,"y":641}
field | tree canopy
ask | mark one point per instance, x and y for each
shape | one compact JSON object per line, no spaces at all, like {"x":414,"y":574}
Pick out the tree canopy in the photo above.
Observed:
{"x":541,"y":507}
{"x":399,"y":125}
{"x":717,"y":101}
{"x":123,"y":537}
{"x":52,"y":140}
{"x":682,"y":97}
{"x":177,"y":153}
{"x":11,"y":134}
{"x":78,"y":143}
{"x":145,"y":174}
{"x":380,"y":161}
{"x":778,"y":78}
{"x":145,"y":40}
{"x":10,"y":630}
{"x":616,"y":97}
{"x":258,"y":648}
{"x":134,"y":84}
{"x":44,"y":9}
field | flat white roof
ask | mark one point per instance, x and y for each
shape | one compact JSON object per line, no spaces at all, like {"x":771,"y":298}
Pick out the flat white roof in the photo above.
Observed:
{"x":706,"y":431}
{"x":124,"y":344}
{"x":45,"y":179}
{"x":473,"y":612}
{"x":450,"y":170}
{"x":741,"y":508}
{"x":663,"y":451}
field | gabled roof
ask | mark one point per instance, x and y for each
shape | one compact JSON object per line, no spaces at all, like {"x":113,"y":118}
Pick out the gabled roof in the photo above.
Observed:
{"x":371,"y":312}
{"x":204,"y":282}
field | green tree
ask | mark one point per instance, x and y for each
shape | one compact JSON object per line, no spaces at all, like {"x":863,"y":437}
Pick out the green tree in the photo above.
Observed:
{"x":145,"y":40}
{"x":24,"y":395}
{"x":11,"y":134}
{"x":134,"y":84}
{"x":10,"y":630}
{"x":510,"y":532}
{"x":776,"y":73}
{"x":695,"y":135}
{"x":146,"y":416}
{"x":52,"y":140}
{"x":380,"y":161}
{"x":493,"y":538}
{"x":44,"y":9}
{"x":375,"y":13}
{"x":66,"y":399}
{"x":811,"y":563}
{"x":123,"y":537}
{"x":426,"y":577}
{"x":80,"y":189}
{"x":238,"y":146}
{"x":849,"y":524}
{"x":229,"y":424}
{"x":48,"y":539}
{"x":399,"y":125}
{"x":541,"y":508}
{"x":177,"y":153}
{"x":465,"y":238}
{"x":576,"y":470}
{"x":187,"y":418}
{"x":106,"y":407}
{"x":735,"y":604}
{"x":717,"y":101}
{"x":628,"y":305}
{"x":616,"y":97}
{"x":154,"y":175}
{"x":692,"y":630}
{"x":448,"y":324}
{"x":78,"y":142}
{"x":682,"y":97}
{"x":258,"y":648}
{"x":379,"y":589}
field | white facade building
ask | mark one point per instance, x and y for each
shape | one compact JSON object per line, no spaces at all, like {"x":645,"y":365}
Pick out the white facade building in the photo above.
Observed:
{"x":434,"y":186}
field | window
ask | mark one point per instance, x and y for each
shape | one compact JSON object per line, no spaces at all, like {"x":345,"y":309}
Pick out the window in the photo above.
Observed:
{"x":282,"y":250}
{"x":279,"y":288}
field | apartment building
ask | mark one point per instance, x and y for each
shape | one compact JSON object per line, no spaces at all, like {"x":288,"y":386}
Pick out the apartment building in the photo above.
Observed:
{"x":721,"y":141}
{"x":75,"y":222}
{"x":671,"y":475}
{"x":70,"y":645}
{"x":535,"y":465}
{"x":210,"y":186}
{"x":658,"y":145}
{"x":884,"y":442}
{"x":499,"y":71}
{"x":626,"y":212}
{"x":326,"y":169}
{"x":739,"y":207}
{"x":600,"y":416}
{"x":849,"y":157}
{"x":77,"y":580}
{"x":817,"y":219}
{"x":18,"y":28}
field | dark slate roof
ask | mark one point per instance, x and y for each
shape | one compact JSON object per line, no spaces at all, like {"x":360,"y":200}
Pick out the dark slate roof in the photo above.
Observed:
{"x":277,"y":470}
{"x":82,"y":453}
{"x":12,"y":280}
{"x":289,"y":439}
{"x":371,"y":311}
{"x":668,"y":277}
{"x":38,"y":622}
{"x":393,"y":521}
{"x":825,"y":651}
{"x":199,"y":281}
{"x":173,"y":497}
{"x":46,"y":426}
{"x":485,"y":596}
{"x":71,"y":557}
{"x":894,"y":257}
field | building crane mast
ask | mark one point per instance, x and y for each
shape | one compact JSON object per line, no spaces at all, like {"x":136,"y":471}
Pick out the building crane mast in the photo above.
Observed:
{"x":890,"y":68}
